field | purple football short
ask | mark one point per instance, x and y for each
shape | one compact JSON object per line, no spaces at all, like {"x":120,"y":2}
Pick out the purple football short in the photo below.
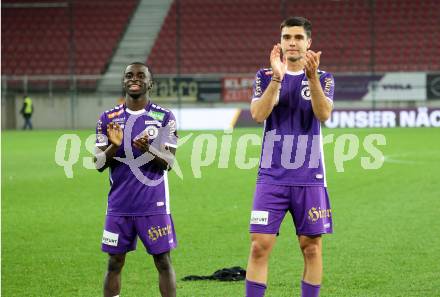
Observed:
{"x":156,"y":233}
{"x":308,"y":205}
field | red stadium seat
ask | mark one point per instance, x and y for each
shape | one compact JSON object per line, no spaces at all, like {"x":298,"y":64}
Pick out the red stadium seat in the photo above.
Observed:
{"x":236,"y":36}
{"x":34,"y":35}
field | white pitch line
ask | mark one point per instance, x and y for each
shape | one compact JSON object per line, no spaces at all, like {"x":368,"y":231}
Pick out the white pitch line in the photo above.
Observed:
{"x":397,"y":161}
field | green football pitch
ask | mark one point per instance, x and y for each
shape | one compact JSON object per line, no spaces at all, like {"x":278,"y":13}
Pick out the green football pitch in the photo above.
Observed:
{"x":386,"y":222}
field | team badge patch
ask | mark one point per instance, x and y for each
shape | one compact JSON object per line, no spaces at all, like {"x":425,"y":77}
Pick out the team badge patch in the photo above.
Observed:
{"x":152,"y":132}
{"x":305,"y":93}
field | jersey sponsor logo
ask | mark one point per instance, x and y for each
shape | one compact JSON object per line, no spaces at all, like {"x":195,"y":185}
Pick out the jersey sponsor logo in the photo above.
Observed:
{"x":99,"y":127}
{"x":259,"y":217}
{"x":328,"y":84}
{"x":315,"y":214}
{"x":110,"y":238}
{"x":172,"y":127}
{"x":319,"y":176}
{"x":119,"y":120}
{"x":258,"y":92}
{"x":153,"y":122}
{"x":154,"y":233}
{"x":305,"y":93}
{"x":152,"y":132}
{"x":101,"y":138}
{"x":115,"y":114}
{"x":157,"y":115}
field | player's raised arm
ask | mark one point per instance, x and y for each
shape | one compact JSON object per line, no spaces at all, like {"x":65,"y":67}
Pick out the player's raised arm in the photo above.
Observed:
{"x":263,"y":106}
{"x":163,"y":157}
{"x":321,"y":104}
{"x":164,"y":145}
{"x":104,"y":154}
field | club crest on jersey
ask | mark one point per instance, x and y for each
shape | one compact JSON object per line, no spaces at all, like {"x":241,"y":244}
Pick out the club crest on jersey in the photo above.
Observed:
{"x":152,"y":132}
{"x":305,"y":93}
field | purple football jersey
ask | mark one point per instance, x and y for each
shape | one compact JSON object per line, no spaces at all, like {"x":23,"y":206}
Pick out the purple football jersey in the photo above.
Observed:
{"x":129,"y":194}
{"x":292,"y":151}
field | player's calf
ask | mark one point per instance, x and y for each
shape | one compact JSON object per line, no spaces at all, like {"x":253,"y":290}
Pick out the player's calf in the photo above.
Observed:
{"x":112,"y":281}
{"x":167,"y":277}
{"x":311,"y":248}
{"x":261,"y":248}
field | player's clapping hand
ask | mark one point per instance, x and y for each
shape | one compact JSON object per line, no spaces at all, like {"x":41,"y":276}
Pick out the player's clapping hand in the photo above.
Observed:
{"x":311,"y":63}
{"x":115,"y":134}
{"x":278,"y":65}
{"x":141,"y":143}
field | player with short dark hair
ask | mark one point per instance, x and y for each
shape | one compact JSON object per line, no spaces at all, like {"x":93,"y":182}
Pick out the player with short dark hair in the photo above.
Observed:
{"x":292,"y":98}
{"x":137,"y":141}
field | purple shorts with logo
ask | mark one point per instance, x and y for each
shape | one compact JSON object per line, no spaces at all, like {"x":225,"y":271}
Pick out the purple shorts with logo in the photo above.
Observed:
{"x":308,"y":205}
{"x":156,"y":233}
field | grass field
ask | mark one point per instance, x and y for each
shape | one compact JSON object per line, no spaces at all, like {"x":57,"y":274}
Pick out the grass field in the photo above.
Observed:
{"x":386,"y":222}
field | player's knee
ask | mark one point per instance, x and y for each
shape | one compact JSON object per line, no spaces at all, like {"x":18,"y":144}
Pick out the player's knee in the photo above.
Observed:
{"x":115,"y":263}
{"x":311,"y":250}
{"x":260,"y":249}
{"x":163,"y":262}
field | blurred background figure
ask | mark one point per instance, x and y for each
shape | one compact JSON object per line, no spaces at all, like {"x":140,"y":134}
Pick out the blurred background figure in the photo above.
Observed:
{"x":26,"y":111}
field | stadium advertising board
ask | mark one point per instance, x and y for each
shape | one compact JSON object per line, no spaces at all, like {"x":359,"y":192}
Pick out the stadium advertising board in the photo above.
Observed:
{"x":237,"y":89}
{"x":190,"y":89}
{"x":353,"y":87}
{"x":402,"y":86}
{"x":396,"y":86}
{"x":209,"y":90}
{"x":433,"y":86}
{"x":367,"y":118}
{"x":384,"y":118}
{"x":206,"y":118}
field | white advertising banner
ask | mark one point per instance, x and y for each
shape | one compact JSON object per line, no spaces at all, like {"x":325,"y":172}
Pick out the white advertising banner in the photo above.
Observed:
{"x":398,"y":86}
{"x":206,"y":118}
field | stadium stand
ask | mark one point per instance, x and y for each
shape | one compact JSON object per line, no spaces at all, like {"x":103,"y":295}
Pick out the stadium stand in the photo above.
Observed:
{"x":222,"y":36}
{"x":236,"y":36}
{"x":35,"y":37}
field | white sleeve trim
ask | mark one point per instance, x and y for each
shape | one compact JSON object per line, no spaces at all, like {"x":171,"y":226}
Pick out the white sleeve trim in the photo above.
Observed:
{"x":171,"y":144}
{"x":276,"y":103}
{"x":101,"y":144}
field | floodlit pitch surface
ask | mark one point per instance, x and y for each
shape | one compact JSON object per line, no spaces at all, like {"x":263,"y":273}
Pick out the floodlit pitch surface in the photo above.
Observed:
{"x":386,"y":222}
